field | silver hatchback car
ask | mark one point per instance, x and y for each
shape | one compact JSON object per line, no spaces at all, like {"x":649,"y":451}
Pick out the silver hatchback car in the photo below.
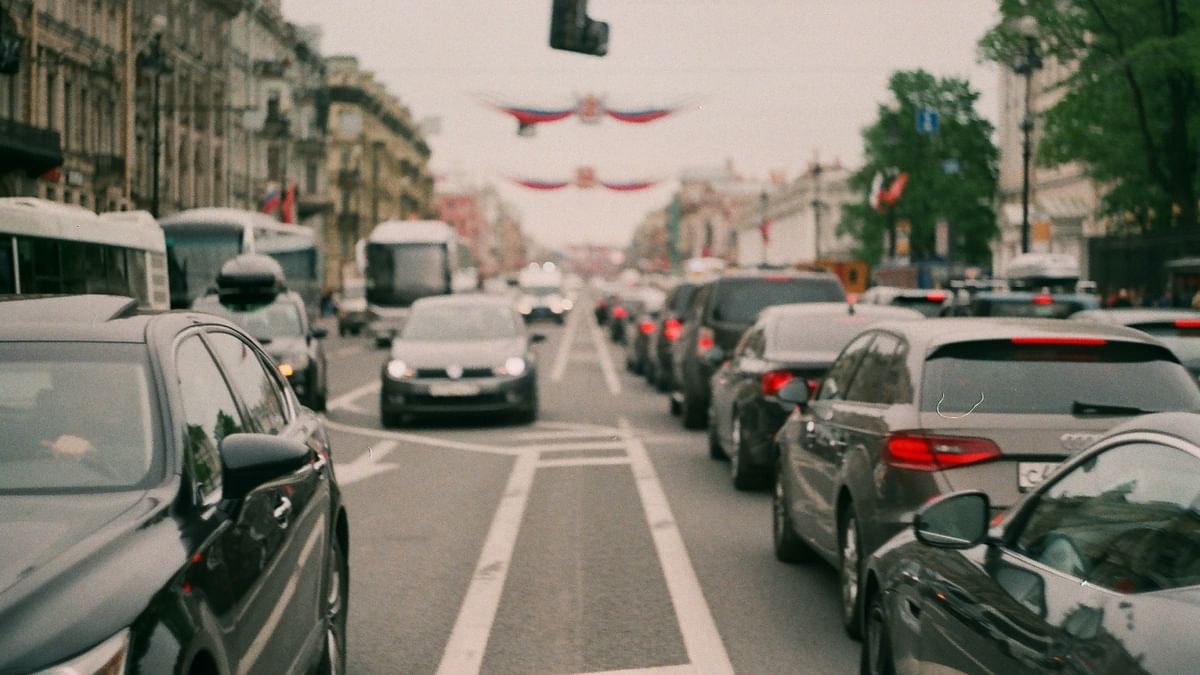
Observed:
{"x":912,"y":410}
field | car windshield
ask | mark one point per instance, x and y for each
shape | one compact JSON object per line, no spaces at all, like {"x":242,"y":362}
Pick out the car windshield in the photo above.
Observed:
{"x":75,"y":417}
{"x":1000,"y":376}
{"x":740,"y":300}
{"x":266,"y":322}
{"x":462,"y":322}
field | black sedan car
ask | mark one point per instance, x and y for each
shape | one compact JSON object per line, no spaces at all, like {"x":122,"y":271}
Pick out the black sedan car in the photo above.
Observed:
{"x":166,"y":505}
{"x":1178,"y":329}
{"x":787,"y":342}
{"x":668,"y":328}
{"x":252,"y":292}
{"x":460,"y":354}
{"x":1097,"y":571}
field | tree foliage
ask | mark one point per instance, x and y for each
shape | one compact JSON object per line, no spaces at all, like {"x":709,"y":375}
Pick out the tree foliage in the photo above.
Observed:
{"x":1129,"y":110}
{"x":952,"y":173}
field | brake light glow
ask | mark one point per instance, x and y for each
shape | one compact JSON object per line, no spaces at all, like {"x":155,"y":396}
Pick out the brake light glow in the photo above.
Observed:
{"x":705,"y":340}
{"x":647,"y":327}
{"x":777,"y":277}
{"x":936,"y":296}
{"x":774,"y":380}
{"x":620,"y":312}
{"x":813,"y":386}
{"x":1043,"y":300}
{"x":1061,"y":341}
{"x":1187,"y":323}
{"x":921,"y":452}
{"x":672,"y":329}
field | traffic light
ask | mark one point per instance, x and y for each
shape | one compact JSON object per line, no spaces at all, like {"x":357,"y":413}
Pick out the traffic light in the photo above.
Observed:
{"x":571,"y":29}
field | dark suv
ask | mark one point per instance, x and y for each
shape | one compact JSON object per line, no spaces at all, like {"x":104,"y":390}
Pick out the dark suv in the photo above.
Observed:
{"x":720,"y":311}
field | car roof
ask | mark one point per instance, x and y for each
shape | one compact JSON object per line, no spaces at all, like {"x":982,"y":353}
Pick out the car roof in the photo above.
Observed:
{"x":776,"y":274}
{"x":460,"y":299}
{"x":880,"y":312}
{"x":1182,"y":425}
{"x":1129,"y":316}
{"x":1025,"y":296}
{"x":933,"y":333}
{"x":89,"y":318}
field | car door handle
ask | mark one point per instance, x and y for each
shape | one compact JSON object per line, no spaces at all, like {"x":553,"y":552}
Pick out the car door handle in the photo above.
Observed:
{"x":284,"y":511}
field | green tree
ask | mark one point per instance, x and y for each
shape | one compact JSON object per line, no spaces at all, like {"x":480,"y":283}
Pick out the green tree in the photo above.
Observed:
{"x":952,"y":173}
{"x":1129,"y":110}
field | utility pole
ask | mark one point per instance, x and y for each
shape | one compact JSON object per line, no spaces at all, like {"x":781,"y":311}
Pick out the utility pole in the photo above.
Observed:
{"x":673,"y":215}
{"x":817,"y":205}
{"x":1029,"y":62}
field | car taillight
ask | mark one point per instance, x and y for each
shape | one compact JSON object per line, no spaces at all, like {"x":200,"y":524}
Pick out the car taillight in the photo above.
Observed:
{"x":1187,"y":323}
{"x":936,"y":296}
{"x":619,"y":312}
{"x":647,"y":327}
{"x":1061,"y":341}
{"x":672,"y":329}
{"x":813,"y":386}
{"x":1043,"y":300}
{"x":774,"y":380}
{"x":705,"y":340}
{"x":921,"y":452}
{"x":601,"y":303}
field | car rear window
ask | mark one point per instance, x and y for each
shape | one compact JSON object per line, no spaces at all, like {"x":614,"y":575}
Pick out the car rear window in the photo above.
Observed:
{"x":926,"y":305}
{"x":683,"y":298}
{"x":1107,"y":378}
{"x":1180,"y":337}
{"x":1026,"y":308}
{"x":740,"y":300}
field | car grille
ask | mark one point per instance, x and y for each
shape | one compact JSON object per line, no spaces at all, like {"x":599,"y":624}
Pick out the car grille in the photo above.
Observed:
{"x":440,"y":373}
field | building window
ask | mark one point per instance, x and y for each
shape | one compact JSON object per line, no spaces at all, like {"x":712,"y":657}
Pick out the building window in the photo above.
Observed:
{"x":310,"y":177}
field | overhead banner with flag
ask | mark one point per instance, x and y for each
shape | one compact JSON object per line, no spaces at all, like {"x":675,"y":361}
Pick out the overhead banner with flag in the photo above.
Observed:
{"x":590,"y":109}
{"x":585,"y":179}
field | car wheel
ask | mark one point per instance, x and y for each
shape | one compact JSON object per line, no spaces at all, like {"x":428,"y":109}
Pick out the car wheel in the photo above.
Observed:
{"x":530,"y":414}
{"x":674,"y":404}
{"x":789,"y":548}
{"x":661,"y":382}
{"x":876,"y":649}
{"x":341,"y":331}
{"x":715,"y":451}
{"x":694,"y":415}
{"x":390,"y":419}
{"x":742,"y":472}
{"x":850,"y":571}
{"x":333,"y":662}
{"x":319,"y":401}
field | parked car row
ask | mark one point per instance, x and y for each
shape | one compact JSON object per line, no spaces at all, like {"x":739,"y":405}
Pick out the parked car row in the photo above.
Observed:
{"x":962,"y":475}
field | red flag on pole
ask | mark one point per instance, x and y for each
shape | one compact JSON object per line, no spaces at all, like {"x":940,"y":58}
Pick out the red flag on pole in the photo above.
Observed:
{"x":289,"y":204}
{"x":893,"y":192}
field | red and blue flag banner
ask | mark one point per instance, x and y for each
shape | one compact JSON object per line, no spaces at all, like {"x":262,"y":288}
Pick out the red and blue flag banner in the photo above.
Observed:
{"x":272,"y":200}
{"x":585,"y":179}
{"x":590,"y":109}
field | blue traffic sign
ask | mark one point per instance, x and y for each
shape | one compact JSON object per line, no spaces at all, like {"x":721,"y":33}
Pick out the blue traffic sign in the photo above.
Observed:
{"x":927,"y":121}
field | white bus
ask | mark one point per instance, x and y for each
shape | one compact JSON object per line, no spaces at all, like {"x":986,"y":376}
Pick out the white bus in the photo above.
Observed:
{"x":52,"y":248}
{"x":199,"y":241}
{"x":405,"y":260}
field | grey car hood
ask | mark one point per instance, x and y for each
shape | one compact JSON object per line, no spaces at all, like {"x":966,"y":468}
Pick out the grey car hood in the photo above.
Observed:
{"x":465,"y":353}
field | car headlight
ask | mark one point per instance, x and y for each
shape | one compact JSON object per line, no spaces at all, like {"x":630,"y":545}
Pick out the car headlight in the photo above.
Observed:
{"x":567,"y":305}
{"x":513,"y":366}
{"x":106,"y":658}
{"x":398,"y":370}
{"x":290,"y":364}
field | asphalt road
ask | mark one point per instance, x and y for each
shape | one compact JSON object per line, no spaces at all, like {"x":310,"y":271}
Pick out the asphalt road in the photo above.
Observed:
{"x":601,"y":538}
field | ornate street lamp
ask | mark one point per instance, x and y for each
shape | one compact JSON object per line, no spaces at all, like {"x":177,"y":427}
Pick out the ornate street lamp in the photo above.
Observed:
{"x":154,"y":59}
{"x":1028,"y":61}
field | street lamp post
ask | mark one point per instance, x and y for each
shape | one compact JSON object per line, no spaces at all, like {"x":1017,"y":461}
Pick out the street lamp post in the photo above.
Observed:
{"x":154,"y":59}
{"x":1027,"y":63}
{"x":763,"y":199}
{"x":817,"y":205}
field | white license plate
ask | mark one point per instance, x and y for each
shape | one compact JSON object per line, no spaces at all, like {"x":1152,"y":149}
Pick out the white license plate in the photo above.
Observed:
{"x":1031,"y":474}
{"x":457,"y":389}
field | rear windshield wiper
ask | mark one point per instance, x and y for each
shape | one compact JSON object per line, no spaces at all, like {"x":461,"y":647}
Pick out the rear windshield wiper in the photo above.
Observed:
{"x":1082,"y":408}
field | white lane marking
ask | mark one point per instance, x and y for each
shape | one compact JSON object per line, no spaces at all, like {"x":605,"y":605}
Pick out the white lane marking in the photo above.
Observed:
{"x":700,"y":636}
{"x":658,"y":670}
{"x":664,"y":439}
{"x":595,"y":445}
{"x":353,"y":395}
{"x":575,"y":426}
{"x":367,"y":464}
{"x":580,"y":461}
{"x":354,"y":408}
{"x":419,"y":439}
{"x":606,"y":364}
{"x":561,"y":435}
{"x":468,"y":640}
{"x":349,"y":350}
{"x":564,"y":348}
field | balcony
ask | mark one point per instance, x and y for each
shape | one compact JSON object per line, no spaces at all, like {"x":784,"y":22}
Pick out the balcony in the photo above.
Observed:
{"x":33,"y":149}
{"x":109,"y":166}
{"x":349,"y":179}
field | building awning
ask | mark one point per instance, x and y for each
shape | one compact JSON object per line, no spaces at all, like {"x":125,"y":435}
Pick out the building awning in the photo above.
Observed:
{"x":1055,"y":208}
{"x":28,"y":148}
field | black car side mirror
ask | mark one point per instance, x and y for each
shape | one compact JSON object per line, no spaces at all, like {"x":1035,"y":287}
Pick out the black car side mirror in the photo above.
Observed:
{"x":320,"y":332}
{"x":715,"y":357}
{"x":956,"y":521}
{"x":253,"y":459}
{"x":537,"y":338}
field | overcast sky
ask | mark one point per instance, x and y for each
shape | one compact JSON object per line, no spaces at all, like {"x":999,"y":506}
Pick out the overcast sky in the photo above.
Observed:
{"x":770,"y":82}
